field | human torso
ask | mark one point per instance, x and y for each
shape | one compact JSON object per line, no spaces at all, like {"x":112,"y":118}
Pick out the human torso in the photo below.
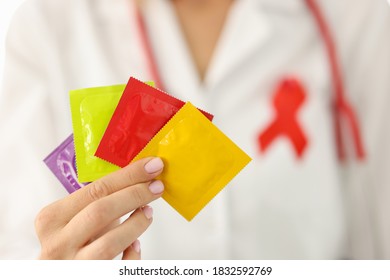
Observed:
{"x":282,"y":205}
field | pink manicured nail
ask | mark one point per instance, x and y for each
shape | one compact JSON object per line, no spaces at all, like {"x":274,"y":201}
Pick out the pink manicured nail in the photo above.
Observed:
{"x":154,"y":165}
{"x":137,"y":246}
{"x":156,"y":187}
{"x":148,"y":211}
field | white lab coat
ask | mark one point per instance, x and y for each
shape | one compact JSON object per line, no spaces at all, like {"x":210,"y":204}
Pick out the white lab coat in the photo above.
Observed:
{"x":279,"y":207}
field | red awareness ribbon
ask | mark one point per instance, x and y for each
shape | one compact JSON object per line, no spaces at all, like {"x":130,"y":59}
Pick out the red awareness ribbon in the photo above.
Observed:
{"x":288,"y":98}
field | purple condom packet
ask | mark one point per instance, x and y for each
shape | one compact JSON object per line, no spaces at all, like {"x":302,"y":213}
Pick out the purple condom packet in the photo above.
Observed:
{"x":62,"y":162}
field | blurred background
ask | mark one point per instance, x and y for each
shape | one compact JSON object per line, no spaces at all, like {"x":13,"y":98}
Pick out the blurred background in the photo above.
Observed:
{"x":311,"y":213}
{"x":7,"y":9}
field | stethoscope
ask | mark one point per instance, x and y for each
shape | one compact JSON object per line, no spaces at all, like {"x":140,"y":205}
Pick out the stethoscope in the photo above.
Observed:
{"x":342,"y":109}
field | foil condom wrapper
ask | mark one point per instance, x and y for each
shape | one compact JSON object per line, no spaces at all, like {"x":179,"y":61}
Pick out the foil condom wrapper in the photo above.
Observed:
{"x":62,"y":163}
{"x":141,"y":112}
{"x":199,"y":160}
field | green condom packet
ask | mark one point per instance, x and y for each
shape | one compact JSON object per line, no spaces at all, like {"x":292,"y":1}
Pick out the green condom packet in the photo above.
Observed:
{"x":91,"y":110}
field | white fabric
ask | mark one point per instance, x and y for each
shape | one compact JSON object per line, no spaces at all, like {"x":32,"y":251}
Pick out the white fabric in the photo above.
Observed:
{"x":279,"y":207}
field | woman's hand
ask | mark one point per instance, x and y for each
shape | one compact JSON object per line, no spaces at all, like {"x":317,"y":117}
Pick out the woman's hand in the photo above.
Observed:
{"x":82,"y":225}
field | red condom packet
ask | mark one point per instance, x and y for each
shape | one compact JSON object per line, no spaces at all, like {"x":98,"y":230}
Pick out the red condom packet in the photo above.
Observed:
{"x":141,"y":112}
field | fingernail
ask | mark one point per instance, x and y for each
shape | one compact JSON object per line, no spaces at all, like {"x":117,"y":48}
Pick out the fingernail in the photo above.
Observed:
{"x":156,"y":187}
{"x":137,"y":246}
{"x":154,"y":165}
{"x":148,"y":211}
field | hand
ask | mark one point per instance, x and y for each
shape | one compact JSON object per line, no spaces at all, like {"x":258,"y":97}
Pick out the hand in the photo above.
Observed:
{"x":82,"y":225}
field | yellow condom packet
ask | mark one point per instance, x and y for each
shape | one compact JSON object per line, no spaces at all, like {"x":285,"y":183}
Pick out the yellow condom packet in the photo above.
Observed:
{"x":91,"y":110}
{"x":199,"y":160}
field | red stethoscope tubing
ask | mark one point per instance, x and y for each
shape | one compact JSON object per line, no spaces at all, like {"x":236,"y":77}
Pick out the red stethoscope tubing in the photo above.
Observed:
{"x":147,"y":46}
{"x":343,"y":111}
{"x":342,"y":108}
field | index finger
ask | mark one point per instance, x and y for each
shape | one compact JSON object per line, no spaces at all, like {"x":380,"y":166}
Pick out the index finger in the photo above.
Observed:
{"x":141,"y":171}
